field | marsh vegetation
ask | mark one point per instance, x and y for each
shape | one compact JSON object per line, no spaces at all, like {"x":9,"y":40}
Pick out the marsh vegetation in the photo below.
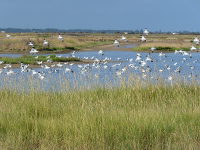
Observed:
{"x":154,"y":116}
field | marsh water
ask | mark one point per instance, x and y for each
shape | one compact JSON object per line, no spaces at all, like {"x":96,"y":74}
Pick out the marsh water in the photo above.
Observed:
{"x":110,"y":69}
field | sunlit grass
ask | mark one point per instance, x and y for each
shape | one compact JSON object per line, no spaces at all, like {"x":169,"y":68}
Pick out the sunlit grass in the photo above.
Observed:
{"x":164,"y":46}
{"x":81,"y":41}
{"x":19,"y":42}
{"x":33,"y":59}
{"x":155,"y":116}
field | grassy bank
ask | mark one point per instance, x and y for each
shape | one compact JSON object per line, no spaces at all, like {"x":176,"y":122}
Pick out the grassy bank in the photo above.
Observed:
{"x":164,"y":46}
{"x":152,"y":117}
{"x":19,"y":42}
{"x":33,"y":59}
{"x":160,"y":48}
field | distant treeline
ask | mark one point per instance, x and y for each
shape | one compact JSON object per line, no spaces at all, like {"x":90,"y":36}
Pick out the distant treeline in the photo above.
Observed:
{"x":17,"y":30}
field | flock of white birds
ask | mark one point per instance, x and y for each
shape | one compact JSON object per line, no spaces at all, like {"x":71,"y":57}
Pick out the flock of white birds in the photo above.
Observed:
{"x":143,"y":64}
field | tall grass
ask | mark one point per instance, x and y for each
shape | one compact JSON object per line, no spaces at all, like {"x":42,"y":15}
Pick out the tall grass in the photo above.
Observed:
{"x":139,"y":117}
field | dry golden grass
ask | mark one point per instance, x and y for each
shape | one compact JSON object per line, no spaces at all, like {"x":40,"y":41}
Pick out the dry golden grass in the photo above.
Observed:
{"x":166,"y":44}
{"x":18,"y":41}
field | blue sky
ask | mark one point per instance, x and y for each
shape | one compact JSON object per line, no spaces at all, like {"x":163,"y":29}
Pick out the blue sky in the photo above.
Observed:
{"x":165,"y":15}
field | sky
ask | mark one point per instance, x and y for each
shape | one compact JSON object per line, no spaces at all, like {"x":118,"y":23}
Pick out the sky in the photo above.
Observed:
{"x":165,"y":15}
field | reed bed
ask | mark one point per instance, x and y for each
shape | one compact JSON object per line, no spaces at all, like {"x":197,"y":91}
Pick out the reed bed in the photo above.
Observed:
{"x":154,"y":116}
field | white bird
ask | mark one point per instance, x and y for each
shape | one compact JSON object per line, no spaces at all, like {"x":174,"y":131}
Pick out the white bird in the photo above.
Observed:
{"x":59,"y":65}
{"x":186,"y":53}
{"x":177,"y":52}
{"x":33,"y":51}
{"x":101,"y":52}
{"x":168,"y":67}
{"x":80,"y":66}
{"x":24,"y":68}
{"x":49,"y":61}
{"x":34,"y":72}
{"x":116,"y":43}
{"x":60,"y":37}
{"x":138,"y":58}
{"x":178,"y":69}
{"x":123,"y":38}
{"x":41,"y":77}
{"x":161,"y":54}
{"x":46,"y":67}
{"x":53,"y":65}
{"x":131,"y":60}
{"x":73,"y":54}
{"x":143,"y":39}
{"x":68,"y":70}
{"x":105,"y":66}
{"x":143,"y":63}
{"x":7,"y":66}
{"x":196,"y":40}
{"x":192,"y":67}
{"x":39,"y":62}
{"x":10,"y":72}
{"x":30,"y":44}
{"x":119,"y":73}
{"x":8,"y":35}
{"x":45,"y":43}
{"x":193,"y":48}
{"x":96,"y":75}
{"x":170,"y":78}
{"x":153,"y":49}
{"x":148,"y":58}
{"x":146,"y":32}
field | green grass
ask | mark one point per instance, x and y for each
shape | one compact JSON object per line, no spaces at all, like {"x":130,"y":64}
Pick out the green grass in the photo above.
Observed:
{"x":160,"y":48}
{"x":153,"y":117}
{"x":32,"y":60}
{"x":66,"y":48}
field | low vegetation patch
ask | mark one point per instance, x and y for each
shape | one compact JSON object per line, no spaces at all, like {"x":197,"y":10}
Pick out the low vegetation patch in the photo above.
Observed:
{"x":34,"y":59}
{"x":160,"y":48}
{"x":57,"y":48}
